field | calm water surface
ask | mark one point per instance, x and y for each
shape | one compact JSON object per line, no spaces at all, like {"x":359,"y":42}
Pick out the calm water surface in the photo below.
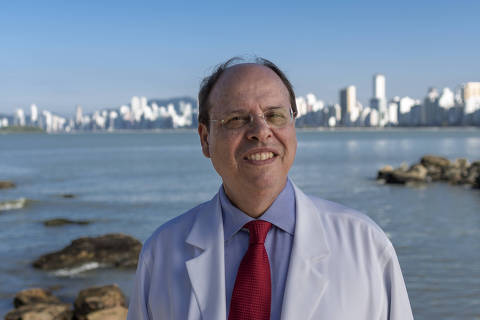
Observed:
{"x":133,"y":182}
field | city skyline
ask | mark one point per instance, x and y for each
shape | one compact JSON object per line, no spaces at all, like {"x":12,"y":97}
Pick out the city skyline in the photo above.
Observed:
{"x":460,"y":107}
{"x":99,"y":55}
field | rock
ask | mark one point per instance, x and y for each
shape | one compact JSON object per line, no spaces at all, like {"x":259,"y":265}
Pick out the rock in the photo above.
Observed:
{"x":461,"y":163}
{"x":472,"y":174}
{"x":475,"y":164}
{"x":36,"y":303}
{"x":436,"y":161}
{"x":68,"y":195}
{"x":32,"y":296}
{"x":116,"y":313}
{"x":107,"y":302}
{"x":41,"y":311}
{"x":416,"y":173}
{"x":454,"y":175}
{"x":6,"y":184}
{"x":476,"y":185}
{"x":384,"y":172}
{"x":116,"y":250}
{"x":403,"y":166}
{"x":61,"y":221}
{"x":436,"y":166}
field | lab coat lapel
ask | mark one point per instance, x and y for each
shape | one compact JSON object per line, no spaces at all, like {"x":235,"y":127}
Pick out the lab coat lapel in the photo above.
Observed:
{"x":207,"y":270}
{"x":306,"y":281}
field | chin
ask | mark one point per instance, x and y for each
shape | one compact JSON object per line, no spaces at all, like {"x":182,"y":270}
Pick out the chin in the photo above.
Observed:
{"x":262,"y":183}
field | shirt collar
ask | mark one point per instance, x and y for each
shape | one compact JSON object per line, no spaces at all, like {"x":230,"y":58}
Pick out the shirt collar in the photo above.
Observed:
{"x":281,"y":213}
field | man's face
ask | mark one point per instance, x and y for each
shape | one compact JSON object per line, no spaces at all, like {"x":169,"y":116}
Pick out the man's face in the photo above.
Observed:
{"x":238,"y":155}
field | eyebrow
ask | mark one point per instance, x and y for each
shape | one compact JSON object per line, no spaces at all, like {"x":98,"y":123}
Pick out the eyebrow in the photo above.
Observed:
{"x":242,"y":111}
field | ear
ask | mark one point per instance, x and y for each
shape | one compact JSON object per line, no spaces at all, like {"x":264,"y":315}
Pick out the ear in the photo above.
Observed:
{"x":203,"y":133}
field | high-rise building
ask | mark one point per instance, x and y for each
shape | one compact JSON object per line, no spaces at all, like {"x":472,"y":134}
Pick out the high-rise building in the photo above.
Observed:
{"x":19,"y":118}
{"x":429,"y":108}
{"x":392,"y":110}
{"x":446,"y":101}
{"x":379,"y":86}
{"x":405,"y":106}
{"x":33,"y":114}
{"x":348,"y":102}
{"x":471,"y":96}
{"x":379,"y":100}
{"x":78,"y":115}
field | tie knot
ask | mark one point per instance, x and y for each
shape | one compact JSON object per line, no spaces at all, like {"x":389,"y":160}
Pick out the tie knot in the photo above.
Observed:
{"x":258,"y":230}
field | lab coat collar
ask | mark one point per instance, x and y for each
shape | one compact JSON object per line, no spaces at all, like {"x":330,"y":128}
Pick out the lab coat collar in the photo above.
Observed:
{"x":306,"y":279}
{"x":207,"y":270}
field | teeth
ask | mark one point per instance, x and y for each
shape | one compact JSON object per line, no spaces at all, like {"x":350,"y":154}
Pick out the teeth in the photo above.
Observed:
{"x":261,"y":156}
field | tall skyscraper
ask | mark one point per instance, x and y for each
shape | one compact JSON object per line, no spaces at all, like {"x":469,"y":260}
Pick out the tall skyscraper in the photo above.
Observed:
{"x":471,"y":96}
{"x":19,"y":117}
{"x":33,"y":114}
{"x":348,"y":101}
{"x":379,"y":86}
{"x":429,"y":108}
{"x":79,"y":115}
{"x":379,"y":99}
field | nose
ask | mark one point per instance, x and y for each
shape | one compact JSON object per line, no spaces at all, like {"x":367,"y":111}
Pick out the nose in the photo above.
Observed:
{"x":258,"y":128}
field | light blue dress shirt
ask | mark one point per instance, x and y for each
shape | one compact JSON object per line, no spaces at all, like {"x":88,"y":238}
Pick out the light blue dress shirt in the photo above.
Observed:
{"x":278,"y":243}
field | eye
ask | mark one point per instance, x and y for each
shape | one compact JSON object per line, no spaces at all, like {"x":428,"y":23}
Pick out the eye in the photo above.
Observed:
{"x":276,"y":117}
{"x":235,"y":121}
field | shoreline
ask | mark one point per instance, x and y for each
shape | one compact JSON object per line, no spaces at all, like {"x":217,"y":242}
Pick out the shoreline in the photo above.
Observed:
{"x":298,"y":129}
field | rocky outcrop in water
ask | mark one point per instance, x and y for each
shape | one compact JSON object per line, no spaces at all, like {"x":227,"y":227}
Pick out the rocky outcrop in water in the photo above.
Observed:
{"x":107,"y":302}
{"x":57,"y":222}
{"x":32,"y":296}
{"x":434,"y":168}
{"x":95,"y":303}
{"x":38,"y":303}
{"x":6,"y":184}
{"x":114,"y":250}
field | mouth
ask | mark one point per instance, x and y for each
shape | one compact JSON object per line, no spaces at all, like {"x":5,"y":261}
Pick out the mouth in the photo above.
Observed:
{"x":261,"y":156}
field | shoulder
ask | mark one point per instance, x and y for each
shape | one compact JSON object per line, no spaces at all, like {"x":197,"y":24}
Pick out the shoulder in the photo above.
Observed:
{"x":173,"y":233}
{"x":336,"y":211}
{"x":344,"y":225}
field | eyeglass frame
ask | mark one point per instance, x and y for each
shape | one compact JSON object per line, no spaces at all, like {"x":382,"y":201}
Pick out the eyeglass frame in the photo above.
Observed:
{"x":292,"y":114}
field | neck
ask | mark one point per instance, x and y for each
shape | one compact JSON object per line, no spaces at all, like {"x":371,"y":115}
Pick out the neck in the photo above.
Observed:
{"x":253,"y":202}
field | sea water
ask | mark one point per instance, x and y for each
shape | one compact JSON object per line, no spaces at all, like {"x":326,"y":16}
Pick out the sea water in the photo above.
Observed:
{"x":133,"y":182}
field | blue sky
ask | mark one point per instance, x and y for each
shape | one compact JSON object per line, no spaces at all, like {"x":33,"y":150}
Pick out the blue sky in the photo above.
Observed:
{"x":99,"y":54}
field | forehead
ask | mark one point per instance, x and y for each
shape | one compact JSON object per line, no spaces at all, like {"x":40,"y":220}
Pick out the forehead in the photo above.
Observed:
{"x":247,"y":86}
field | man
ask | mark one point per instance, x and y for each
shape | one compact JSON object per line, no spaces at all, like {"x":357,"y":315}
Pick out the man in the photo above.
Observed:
{"x":261,"y":248}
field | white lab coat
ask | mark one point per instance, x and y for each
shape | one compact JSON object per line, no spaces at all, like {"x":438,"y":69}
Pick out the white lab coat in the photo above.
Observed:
{"x":342,"y":266}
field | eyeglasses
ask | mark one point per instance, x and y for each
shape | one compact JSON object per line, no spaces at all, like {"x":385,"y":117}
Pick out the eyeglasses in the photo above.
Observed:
{"x":275,"y":118}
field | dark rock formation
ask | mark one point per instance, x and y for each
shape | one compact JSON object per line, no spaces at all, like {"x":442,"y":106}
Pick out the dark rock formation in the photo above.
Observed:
{"x":6,"y":184}
{"x":61,"y":221}
{"x":434,"y":168}
{"x":32,"y":296}
{"x":38,"y":303}
{"x":116,"y":250}
{"x":107,"y":302}
{"x":115,"y":313}
{"x":43,"y":311}
{"x":416,"y":173}
{"x":68,"y":195}
{"x":96,"y":303}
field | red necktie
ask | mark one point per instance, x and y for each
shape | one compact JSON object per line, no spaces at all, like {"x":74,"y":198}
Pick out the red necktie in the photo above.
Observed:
{"x":251,"y":296}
